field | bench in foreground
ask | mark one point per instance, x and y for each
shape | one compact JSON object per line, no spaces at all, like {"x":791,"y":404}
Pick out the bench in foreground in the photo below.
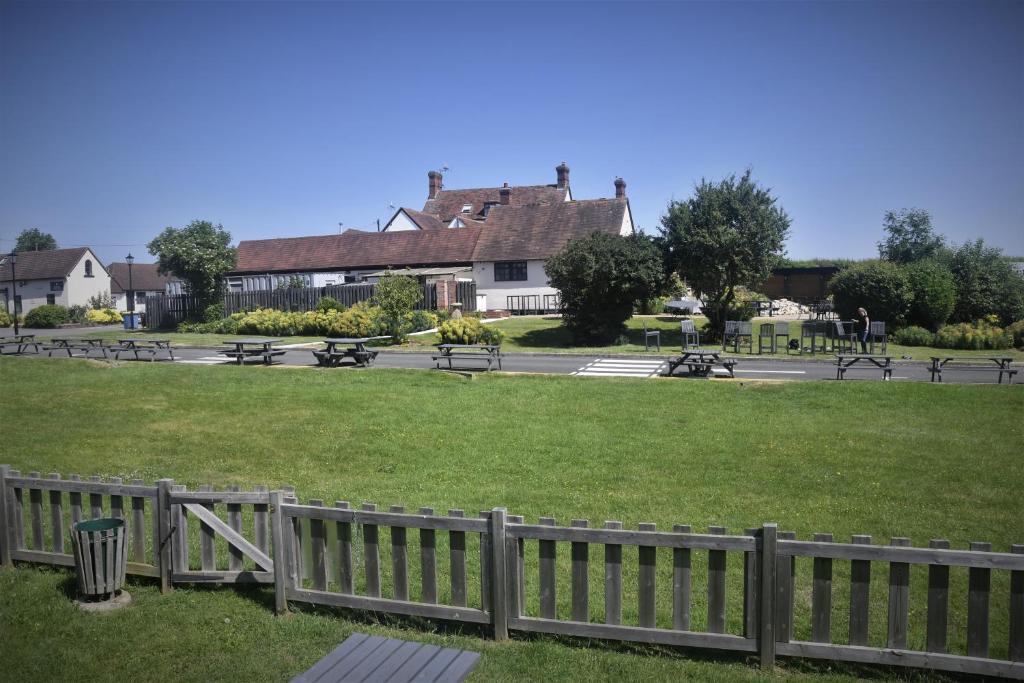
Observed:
{"x":471,"y":353}
{"x":373,"y":658}
{"x":700,"y":362}
{"x":863,"y":361}
{"x":999,"y":364}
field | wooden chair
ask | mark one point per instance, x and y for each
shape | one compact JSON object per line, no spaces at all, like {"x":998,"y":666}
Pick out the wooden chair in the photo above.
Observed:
{"x":649,"y":335}
{"x":844,"y":340}
{"x":781,"y":330}
{"x":876,"y":332}
{"x":737,"y":331}
{"x":766,"y":331}
{"x":689,"y":331}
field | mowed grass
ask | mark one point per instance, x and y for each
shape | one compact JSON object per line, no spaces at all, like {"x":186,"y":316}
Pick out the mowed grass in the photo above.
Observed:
{"x":917,"y":460}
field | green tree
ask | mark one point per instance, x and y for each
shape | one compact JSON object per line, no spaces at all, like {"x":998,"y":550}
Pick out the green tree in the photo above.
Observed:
{"x":933,"y":291}
{"x":600,"y":277}
{"x":881,"y":287}
{"x":986,"y":284}
{"x":910,"y":237}
{"x":200,"y":254}
{"x":34,"y":239}
{"x":729,"y":234}
{"x":396,"y":295}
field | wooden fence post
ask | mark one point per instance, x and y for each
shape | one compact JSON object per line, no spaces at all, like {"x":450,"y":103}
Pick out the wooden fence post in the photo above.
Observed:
{"x":766,"y":630}
{"x":5,"y":536}
{"x":280,"y":554}
{"x":499,"y":597}
{"x":163,"y":512}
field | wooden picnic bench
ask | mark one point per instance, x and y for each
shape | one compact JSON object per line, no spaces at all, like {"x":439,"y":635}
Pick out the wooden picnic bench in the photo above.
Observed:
{"x":262,"y":347}
{"x":374,"y":658}
{"x":700,"y":362}
{"x":22,"y":341}
{"x":1000,"y":364}
{"x":333,"y":356}
{"x":846,"y":362}
{"x":83,"y":344}
{"x":136,"y":346}
{"x":472,"y":353}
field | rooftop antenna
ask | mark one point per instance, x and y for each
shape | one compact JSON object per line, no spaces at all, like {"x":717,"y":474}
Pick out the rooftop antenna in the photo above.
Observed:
{"x":340,"y":224}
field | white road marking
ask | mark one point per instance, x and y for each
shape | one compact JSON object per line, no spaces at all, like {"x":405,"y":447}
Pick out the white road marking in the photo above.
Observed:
{"x":621,"y":367}
{"x":774,"y":372}
{"x":205,"y":360}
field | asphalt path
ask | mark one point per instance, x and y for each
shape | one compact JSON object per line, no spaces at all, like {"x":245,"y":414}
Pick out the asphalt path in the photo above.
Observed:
{"x":795,"y":368}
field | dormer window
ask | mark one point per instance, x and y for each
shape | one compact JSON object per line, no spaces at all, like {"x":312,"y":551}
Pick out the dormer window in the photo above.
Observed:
{"x":466,"y":208}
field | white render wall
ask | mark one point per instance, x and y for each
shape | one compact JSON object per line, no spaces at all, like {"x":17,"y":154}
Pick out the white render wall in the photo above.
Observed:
{"x":77,"y":287}
{"x":400,"y":222}
{"x":497,"y":292}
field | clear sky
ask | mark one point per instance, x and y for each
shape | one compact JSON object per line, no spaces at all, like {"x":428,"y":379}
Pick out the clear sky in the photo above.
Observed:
{"x":117,"y":120}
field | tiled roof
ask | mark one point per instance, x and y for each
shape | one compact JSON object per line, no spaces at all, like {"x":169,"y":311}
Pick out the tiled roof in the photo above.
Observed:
{"x":357,"y":249}
{"x":537,"y":232}
{"x":44,"y":265}
{"x":426,"y":221}
{"x":449,"y":203}
{"x":144,"y":278}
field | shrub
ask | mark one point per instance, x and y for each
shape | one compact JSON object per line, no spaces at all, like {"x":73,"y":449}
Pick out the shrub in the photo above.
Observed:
{"x":913,"y":336}
{"x":223,"y":326}
{"x":1016,"y":330}
{"x":651,"y":306}
{"x":469,"y":331}
{"x":50,"y":315}
{"x":101,"y":301}
{"x":105,"y":316}
{"x":879,"y":286}
{"x":396,"y":295}
{"x":77,"y":314}
{"x":982,"y":334}
{"x":5,"y":319}
{"x":361,"y":320}
{"x":933,"y":291}
{"x":213,"y":313}
{"x":421,"y":320}
{"x":329,"y":303}
{"x":985,"y":284}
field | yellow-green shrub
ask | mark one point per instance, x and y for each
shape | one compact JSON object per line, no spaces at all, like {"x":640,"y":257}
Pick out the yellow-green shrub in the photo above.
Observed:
{"x":103,"y":316}
{"x":468,"y":331}
{"x":5,"y":319}
{"x":982,"y":334}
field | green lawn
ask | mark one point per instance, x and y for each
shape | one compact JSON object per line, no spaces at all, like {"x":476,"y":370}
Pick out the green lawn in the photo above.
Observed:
{"x":914,"y":459}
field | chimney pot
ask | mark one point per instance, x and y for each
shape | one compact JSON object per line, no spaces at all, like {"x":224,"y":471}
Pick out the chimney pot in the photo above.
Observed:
{"x":434,"y":183}
{"x":505,"y":193}
{"x":563,"y":175}
{"x":620,"y":188}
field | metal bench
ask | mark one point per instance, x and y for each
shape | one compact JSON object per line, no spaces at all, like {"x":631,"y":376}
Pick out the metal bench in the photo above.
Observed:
{"x":1000,"y":365}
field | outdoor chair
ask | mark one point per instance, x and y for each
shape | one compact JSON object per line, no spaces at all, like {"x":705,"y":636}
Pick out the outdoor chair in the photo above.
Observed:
{"x":766,"y":332}
{"x":876,"y":332}
{"x":649,"y":335}
{"x":815,"y":332}
{"x":781,"y":330}
{"x":736,"y":331}
{"x":689,"y":331}
{"x":845,"y":337}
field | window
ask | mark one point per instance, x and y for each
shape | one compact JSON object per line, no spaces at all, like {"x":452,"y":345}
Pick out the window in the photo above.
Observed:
{"x":88,"y":268}
{"x":466,"y":208}
{"x":57,"y":286}
{"x":510,"y":271}
{"x":140,"y":297}
{"x":51,"y":299}
{"x":17,"y":304}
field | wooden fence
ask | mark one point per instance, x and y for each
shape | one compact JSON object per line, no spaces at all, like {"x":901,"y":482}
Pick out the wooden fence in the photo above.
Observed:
{"x":163,"y":312}
{"x":339,"y":556}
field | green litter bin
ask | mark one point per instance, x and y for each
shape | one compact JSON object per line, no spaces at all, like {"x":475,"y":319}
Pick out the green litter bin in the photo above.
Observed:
{"x":101,"y":557}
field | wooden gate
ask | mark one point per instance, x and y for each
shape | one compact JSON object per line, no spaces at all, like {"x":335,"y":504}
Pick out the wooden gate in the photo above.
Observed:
{"x":243,"y":560}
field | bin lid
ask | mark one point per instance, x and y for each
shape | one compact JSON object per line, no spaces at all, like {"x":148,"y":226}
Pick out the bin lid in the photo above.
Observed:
{"x":101,"y":524}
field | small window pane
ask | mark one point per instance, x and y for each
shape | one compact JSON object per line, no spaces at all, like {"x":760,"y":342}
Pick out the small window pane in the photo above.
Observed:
{"x":510,"y":271}
{"x":51,"y":299}
{"x":57,"y":286}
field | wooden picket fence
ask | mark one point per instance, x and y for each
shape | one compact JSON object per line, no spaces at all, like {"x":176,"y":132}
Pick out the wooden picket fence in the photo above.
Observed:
{"x":332,"y":555}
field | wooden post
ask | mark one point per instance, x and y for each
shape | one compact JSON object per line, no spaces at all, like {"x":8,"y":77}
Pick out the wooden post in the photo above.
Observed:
{"x":580,"y":551}
{"x":766,"y":632}
{"x":681,"y":579}
{"x":785,"y":575}
{"x":612,"y":579}
{"x":899,"y":599}
{"x":979,"y":582}
{"x":821,"y":596}
{"x":646,"y":577}
{"x":499,"y":597}
{"x":5,"y":535}
{"x":751,"y":584}
{"x":1017,"y":610}
{"x":280,"y":553}
{"x":163,"y":513}
{"x":860,"y":595}
{"x":716,"y":585}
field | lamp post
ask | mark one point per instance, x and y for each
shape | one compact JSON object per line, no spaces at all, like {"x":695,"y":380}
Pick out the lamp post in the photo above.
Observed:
{"x":14,"y":291}
{"x":131,"y":292}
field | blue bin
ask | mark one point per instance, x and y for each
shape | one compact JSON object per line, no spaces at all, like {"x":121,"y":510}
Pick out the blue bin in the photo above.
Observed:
{"x":131,"y":321}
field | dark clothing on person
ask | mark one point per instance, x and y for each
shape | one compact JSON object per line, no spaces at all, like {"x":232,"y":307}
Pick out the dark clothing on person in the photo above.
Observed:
{"x":862,"y":332}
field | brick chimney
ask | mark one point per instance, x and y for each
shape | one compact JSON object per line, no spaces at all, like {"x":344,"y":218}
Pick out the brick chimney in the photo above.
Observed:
{"x":434,"y":179}
{"x":563,"y":175}
{"x":505,"y":193}
{"x":620,"y":188}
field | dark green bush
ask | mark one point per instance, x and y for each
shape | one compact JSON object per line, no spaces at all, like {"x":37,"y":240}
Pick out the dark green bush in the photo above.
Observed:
{"x":981,"y":334}
{"x":1016,"y":330}
{"x":934,"y":293}
{"x":76,"y":314}
{"x":49,"y":315}
{"x":213,"y":313}
{"x":913,"y":336}
{"x":882,"y":288}
{"x":329,"y":303}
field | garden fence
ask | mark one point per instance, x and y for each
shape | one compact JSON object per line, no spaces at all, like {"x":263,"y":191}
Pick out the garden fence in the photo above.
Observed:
{"x":338,"y":556}
{"x":163,"y":312}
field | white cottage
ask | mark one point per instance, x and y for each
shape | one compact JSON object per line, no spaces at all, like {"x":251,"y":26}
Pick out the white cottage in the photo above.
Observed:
{"x":67,"y":277}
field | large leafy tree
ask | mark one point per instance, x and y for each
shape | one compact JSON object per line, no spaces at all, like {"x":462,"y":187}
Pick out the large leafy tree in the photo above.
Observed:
{"x":880,"y":287}
{"x":600,"y":278}
{"x":986,"y":284}
{"x":34,"y":239}
{"x":396,"y":295}
{"x":729,"y":234}
{"x":910,"y":237}
{"x":200,"y":254}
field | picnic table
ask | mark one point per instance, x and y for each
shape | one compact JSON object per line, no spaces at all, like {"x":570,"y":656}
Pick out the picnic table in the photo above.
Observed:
{"x":354,"y":347}
{"x":1000,"y":364}
{"x":22,"y":341}
{"x":488,"y":353}
{"x":136,"y":345}
{"x":699,"y":362}
{"x":846,"y":362}
{"x":252,"y":347}
{"x":83,"y":344}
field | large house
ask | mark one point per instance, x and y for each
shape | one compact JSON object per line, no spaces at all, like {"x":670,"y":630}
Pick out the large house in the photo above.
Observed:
{"x":67,"y":277}
{"x":498,"y":237}
{"x":144,"y":281}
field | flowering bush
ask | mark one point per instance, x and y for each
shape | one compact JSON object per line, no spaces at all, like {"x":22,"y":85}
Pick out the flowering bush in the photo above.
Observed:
{"x":5,"y":319}
{"x":468,"y":331}
{"x":103,"y":316}
{"x":982,"y":334}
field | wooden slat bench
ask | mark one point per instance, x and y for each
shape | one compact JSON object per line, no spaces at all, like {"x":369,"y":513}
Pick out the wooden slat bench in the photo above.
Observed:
{"x":999,"y":364}
{"x":472,"y":353}
{"x":850,"y":362}
{"x":84,"y":348}
{"x":373,"y":658}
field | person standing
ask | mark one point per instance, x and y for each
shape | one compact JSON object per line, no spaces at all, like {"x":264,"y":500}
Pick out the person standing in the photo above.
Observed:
{"x":863,"y":326}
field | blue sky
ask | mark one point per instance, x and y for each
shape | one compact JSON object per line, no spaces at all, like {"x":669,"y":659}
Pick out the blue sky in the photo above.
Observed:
{"x":117,"y":120}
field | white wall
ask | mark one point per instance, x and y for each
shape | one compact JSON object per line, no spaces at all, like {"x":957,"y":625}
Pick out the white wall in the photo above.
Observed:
{"x":627,"y":223}
{"x":79,"y":288}
{"x":400,"y":222}
{"x":497,"y":292}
